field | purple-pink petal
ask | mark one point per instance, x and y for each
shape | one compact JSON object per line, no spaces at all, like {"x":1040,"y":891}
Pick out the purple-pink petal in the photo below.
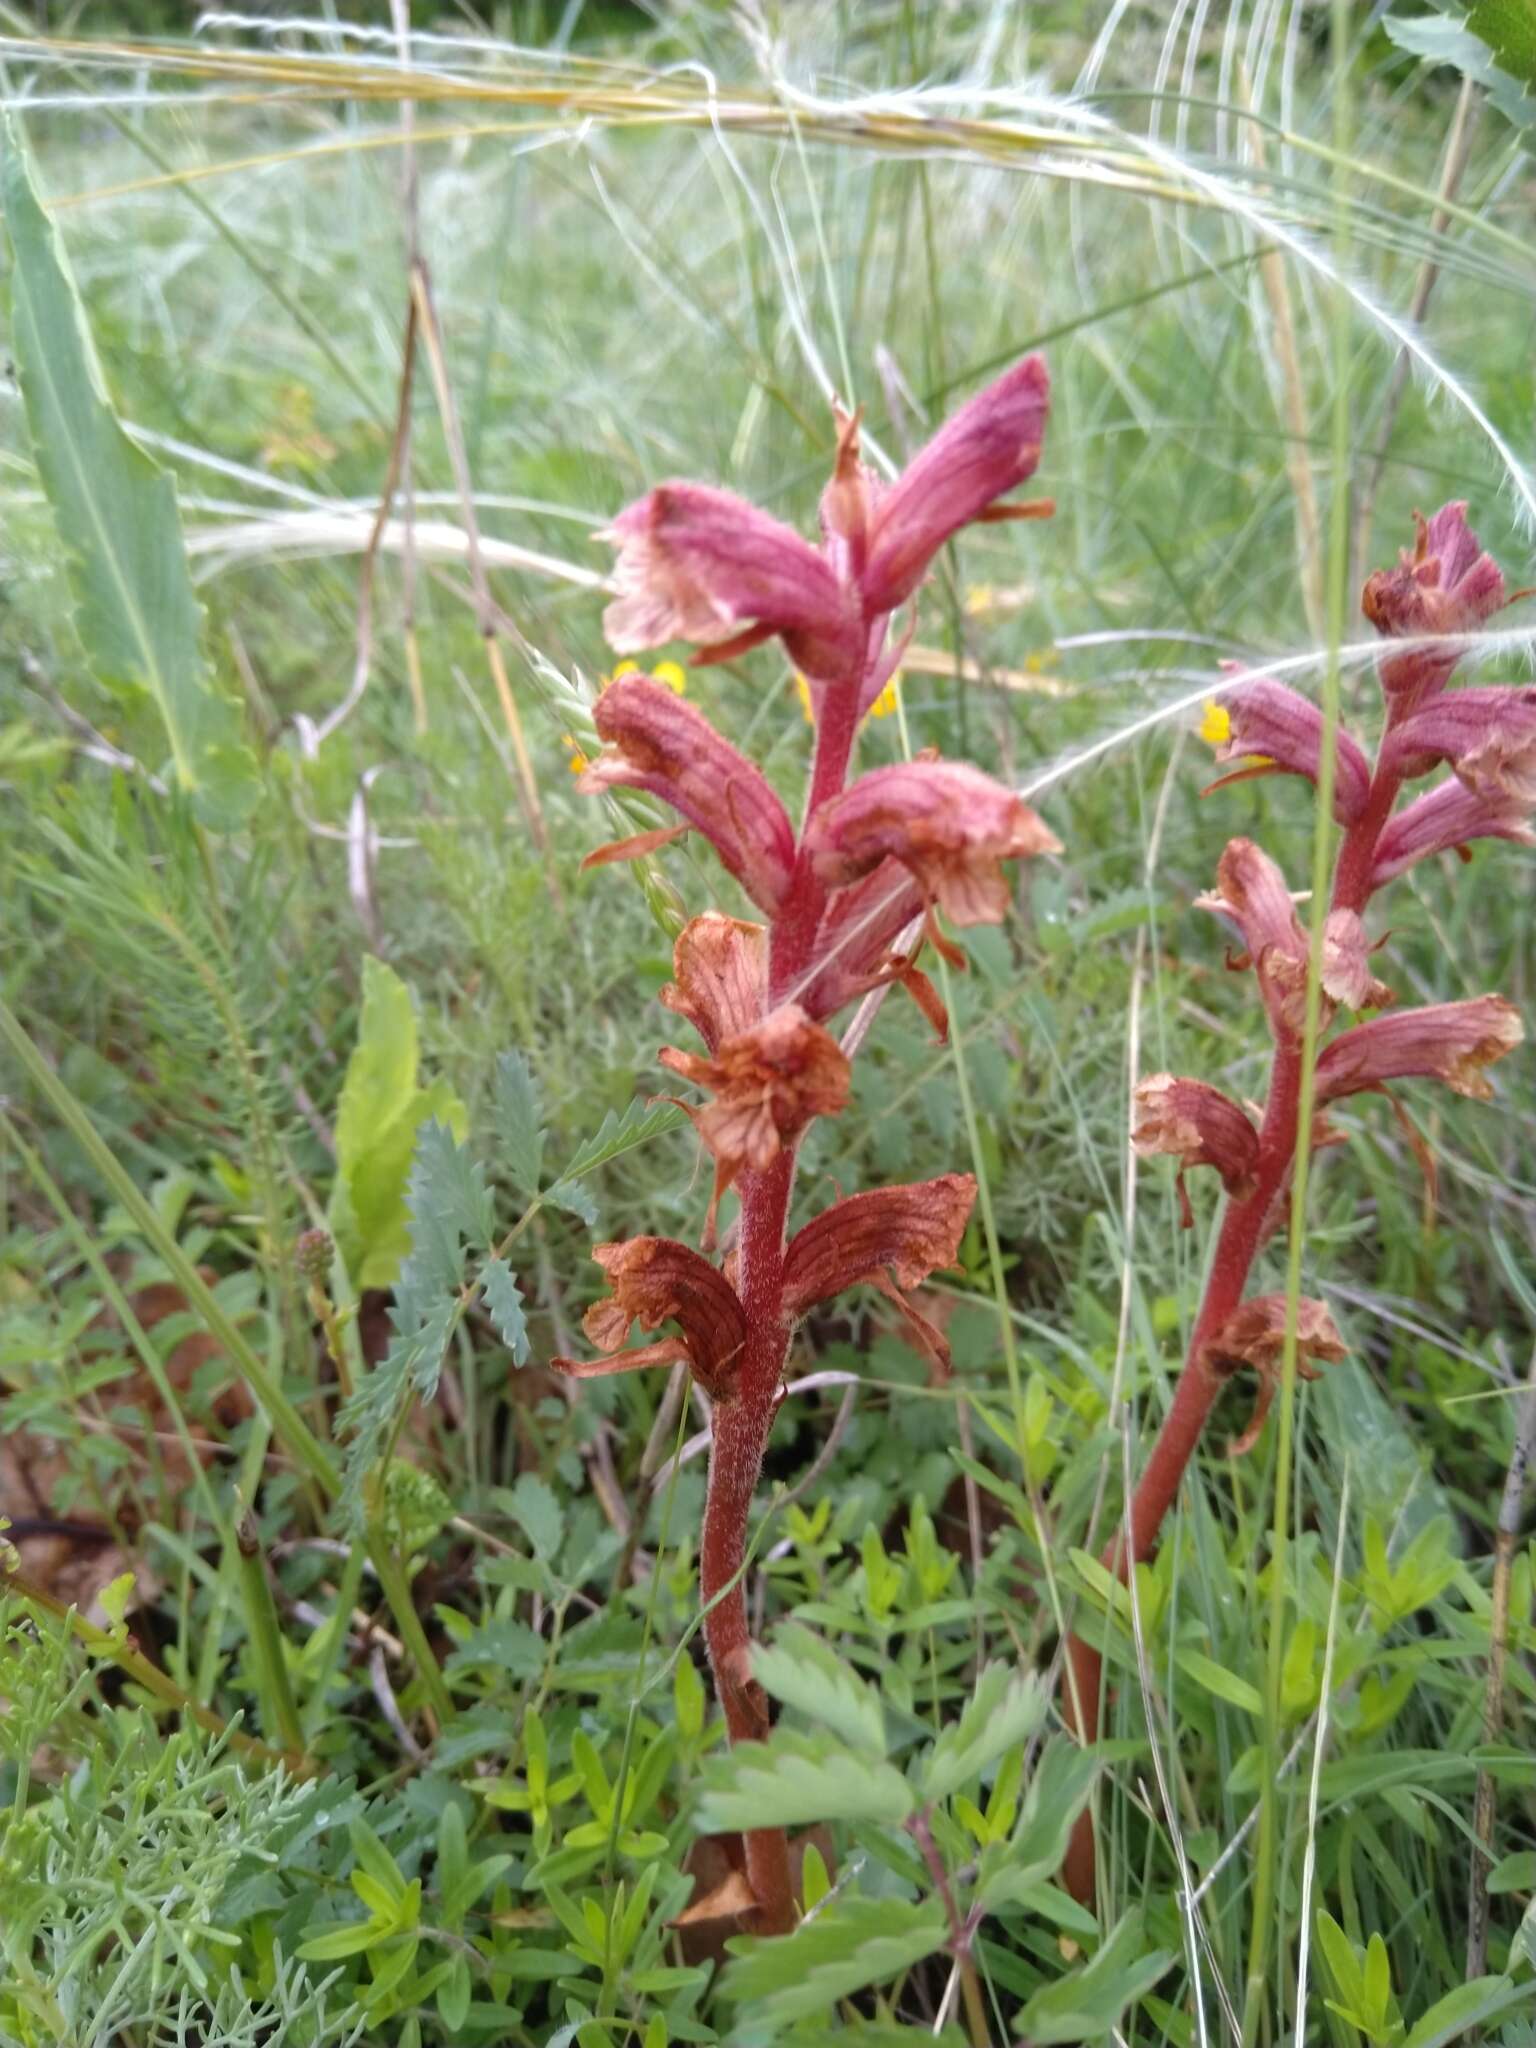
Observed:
{"x":1269,"y":719}
{"x":666,"y":746}
{"x":1447,"y":816}
{"x":700,"y":564}
{"x":990,"y":445}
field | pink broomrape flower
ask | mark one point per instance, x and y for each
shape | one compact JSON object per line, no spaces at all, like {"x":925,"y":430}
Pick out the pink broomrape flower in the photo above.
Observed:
{"x":888,"y":1238}
{"x":846,"y":906}
{"x":1446,"y":584}
{"x":664,"y":745}
{"x":1254,"y":1335}
{"x":1488,"y":736}
{"x":768,"y":1083}
{"x":655,"y":1280}
{"x":1278,"y":731}
{"x":1199,"y":1126}
{"x":1251,"y":893}
{"x":991,"y":445}
{"x":1450,"y":1042}
{"x":721,"y":966}
{"x":1446,"y":817}
{"x":947,"y":823}
{"x":703,"y":565}
{"x":856,"y":936}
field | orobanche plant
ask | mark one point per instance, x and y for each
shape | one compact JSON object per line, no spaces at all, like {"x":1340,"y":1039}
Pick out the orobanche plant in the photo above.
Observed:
{"x":1445,"y":587}
{"x":846,"y":902}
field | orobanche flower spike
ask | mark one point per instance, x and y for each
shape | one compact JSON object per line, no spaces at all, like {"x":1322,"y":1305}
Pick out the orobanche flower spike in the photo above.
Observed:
{"x":847,"y":902}
{"x":1486,"y":736}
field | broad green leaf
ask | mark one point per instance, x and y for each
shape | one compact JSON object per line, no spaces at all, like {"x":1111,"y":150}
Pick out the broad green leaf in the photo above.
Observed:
{"x":1508,"y":27}
{"x":1087,"y":2004}
{"x":1469,"y":2005}
{"x":851,"y":1942}
{"x":504,"y":1300}
{"x":118,"y":524}
{"x":1515,"y":1873}
{"x":805,"y":1672}
{"x":791,"y":1780}
{"x":1006,"y":1709}
{"x":381,"y":1110}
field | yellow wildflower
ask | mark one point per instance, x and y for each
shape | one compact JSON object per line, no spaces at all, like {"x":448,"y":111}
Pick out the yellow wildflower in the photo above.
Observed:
{"x":803,"y":692}
{"x":1216,"y":726}
{"x":578,"y":763}
{"x":885,"y":703}
{"x":673,"y":675}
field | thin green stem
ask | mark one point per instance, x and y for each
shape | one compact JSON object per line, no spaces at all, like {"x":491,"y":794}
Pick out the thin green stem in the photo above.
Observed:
{"x":266,"y":1636}
{"x":395,"y":1581}
{"x":1267,"y":1889}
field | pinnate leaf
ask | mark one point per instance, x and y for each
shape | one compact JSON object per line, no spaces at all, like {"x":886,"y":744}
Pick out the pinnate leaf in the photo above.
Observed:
{"x":791,"y":1780}
{"x":504,"y":1300}
{"x":850,"y":1943}
{"x":805,"y":1672}
{"x":1005,"y":1710}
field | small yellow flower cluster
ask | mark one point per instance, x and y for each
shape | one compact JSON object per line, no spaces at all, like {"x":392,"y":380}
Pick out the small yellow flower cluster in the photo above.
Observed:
{"x":1216,"y":726}
{"x":882,"y":707}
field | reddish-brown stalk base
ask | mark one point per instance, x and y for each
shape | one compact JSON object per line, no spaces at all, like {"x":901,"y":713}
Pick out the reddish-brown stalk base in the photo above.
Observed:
{"x":741,"y":1421}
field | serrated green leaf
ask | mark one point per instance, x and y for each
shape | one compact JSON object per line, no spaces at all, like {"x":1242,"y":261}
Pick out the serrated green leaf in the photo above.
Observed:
{"x":791,"y":1780}
{"x":850,"y":1943}
{"x":1005,"y":1710}
{"x":804,"y":1672}
{"x":1508,"y":27}
{"x":532,"y":1504}
{"x":517,"y":1119}
{"x":504,"y":1300}
{"x":116,"y":515}
{"x":446,"y":1198}
{"x":503,"y":1645}
{"x":571,"y":1195}
{"x":617,"y":1134}
{"x":1087,"y":2004}
{"x":382,"y":1109}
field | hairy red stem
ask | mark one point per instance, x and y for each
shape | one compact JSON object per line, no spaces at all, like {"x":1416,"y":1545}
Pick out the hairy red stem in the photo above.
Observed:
{"x":1242,"y":1231}
{"x":741,"y":1420}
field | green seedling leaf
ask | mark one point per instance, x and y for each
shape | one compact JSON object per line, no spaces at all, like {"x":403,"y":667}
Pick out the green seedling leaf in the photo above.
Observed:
{"x":117,"y":518}
{"x":1470,"y":2005}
